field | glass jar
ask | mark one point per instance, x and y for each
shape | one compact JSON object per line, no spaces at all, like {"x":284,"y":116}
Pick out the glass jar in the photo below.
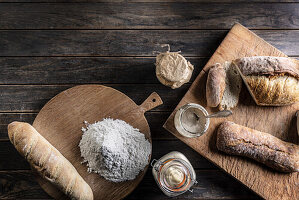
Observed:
{"x":190,"y":120}
{"x":173,"y":173}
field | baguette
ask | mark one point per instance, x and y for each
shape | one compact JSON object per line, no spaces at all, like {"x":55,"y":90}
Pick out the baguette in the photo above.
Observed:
{"x":48,"y":161}
{"x":215,"y":85}
{"x":271,"y":81}
{"x":239,"y":140}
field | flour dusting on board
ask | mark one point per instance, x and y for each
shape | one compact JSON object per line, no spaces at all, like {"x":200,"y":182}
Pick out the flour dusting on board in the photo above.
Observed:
{"x":114,"y":149}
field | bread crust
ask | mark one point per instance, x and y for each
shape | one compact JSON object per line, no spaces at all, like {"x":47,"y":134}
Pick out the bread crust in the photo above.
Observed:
{"x":271,"y":81}
{"x":268,"y":65}
{"x":263,"y":147}
{"x":215,"y":85}
{"x":274,"y":91}
{"x":48,"y":161}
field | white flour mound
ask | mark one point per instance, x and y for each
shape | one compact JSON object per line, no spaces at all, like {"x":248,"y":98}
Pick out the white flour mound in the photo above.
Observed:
{"x":114,"y":149}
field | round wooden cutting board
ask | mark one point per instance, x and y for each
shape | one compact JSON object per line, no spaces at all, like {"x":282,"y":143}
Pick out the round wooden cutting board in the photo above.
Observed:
{"x":60,"y":122}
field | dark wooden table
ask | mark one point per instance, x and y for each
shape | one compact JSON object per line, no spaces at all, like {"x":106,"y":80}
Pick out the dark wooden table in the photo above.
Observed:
{"x":47,"y":46}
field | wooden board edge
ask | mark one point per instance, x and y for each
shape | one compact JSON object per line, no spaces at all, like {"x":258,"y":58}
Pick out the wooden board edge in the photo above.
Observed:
{"x":55,"y":192}
{"x":204,"y":70}
{"x":238,"y":25}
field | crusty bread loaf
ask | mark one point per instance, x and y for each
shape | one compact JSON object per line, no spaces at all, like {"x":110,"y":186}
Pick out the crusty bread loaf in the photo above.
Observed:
{"x":48,"y":161}
{"x":271,"y":81}
{"x":233,"y":85}
{"x":215,"y":85}
{"x":223,"y":86}
{"x":263,"y":147}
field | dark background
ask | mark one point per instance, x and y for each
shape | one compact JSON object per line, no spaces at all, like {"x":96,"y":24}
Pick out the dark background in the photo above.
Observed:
{"x":47,"y":46}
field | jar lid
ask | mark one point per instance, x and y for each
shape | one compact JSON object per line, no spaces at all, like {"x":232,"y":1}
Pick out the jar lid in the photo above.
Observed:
{"x":175,"y":176}
{"x":190,"y":120}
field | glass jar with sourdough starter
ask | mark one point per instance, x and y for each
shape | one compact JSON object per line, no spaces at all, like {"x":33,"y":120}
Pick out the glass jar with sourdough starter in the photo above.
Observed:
{"x":191,"y":121}
{"x":173,"y":173}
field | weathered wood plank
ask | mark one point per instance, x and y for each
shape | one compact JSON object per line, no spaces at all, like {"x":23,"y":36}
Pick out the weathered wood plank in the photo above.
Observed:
{"x":173,"y":15}
{"x":108,"y":42}
{"x":11,"y":160}
{"x":20,"y":185}
{"x":129,"y":42}
{"x":212,"y":184}
{"x":204,"y":1}
{"x":31,"y":98}
{"x":6,"y":118}
{"x":155,"y":120}
{"x":146,"y":1}
{"x":69,"y":70}
{"x":83,"y":70}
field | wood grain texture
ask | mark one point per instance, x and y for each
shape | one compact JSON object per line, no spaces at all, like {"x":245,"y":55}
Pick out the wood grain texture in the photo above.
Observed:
{"x":44,"y":77}
{"x":279,"y":121}
{"x":84,"y":70}
{"x":147,"y":1}
{"x":6,"y":118}
{"x":20,"y":185}
{"x":31,"y":98}
{"x":128,"y":42}
{"x":155,"y":120}
{"x":11,"y":160}
{"x":107,"y":42}
{"x":60,"y":122}
{"x":62,"y":70}
{"x":214,"y":184}
{"x":138,"y":16}
{"x":207,"y":1}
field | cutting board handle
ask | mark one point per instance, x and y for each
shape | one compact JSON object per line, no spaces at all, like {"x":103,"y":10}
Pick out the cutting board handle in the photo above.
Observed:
{"x":151,"y":102}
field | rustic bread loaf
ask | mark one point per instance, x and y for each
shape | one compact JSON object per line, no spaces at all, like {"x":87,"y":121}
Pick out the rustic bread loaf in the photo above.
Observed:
{"x":215,"y":85}
{"x":271,"y":81}
{"x":233,"y":85}
{"x":48,"y":161}
{"x":223,"y":86}
{"x":239,"y":140}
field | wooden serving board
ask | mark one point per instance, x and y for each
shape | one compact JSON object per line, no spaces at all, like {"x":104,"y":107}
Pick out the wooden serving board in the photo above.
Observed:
{"x":60,"y":122}
{"x":279,"y":121}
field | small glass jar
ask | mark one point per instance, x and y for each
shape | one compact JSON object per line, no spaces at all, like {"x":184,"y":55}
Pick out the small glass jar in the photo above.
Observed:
{"x":190,"y":120}
{"x":173,"y":173}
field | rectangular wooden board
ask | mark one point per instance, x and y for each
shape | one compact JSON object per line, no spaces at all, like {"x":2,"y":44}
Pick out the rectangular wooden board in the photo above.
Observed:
{"x":279,"y":121}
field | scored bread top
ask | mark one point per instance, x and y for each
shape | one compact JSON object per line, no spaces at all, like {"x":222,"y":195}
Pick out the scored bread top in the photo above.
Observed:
{"x":271,"y":81}
{"x":263,"y":147}
{"x":268,"y":65}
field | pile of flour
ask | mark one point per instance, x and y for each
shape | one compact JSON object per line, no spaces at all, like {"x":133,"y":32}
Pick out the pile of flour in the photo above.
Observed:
{"x":114,"y":149}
